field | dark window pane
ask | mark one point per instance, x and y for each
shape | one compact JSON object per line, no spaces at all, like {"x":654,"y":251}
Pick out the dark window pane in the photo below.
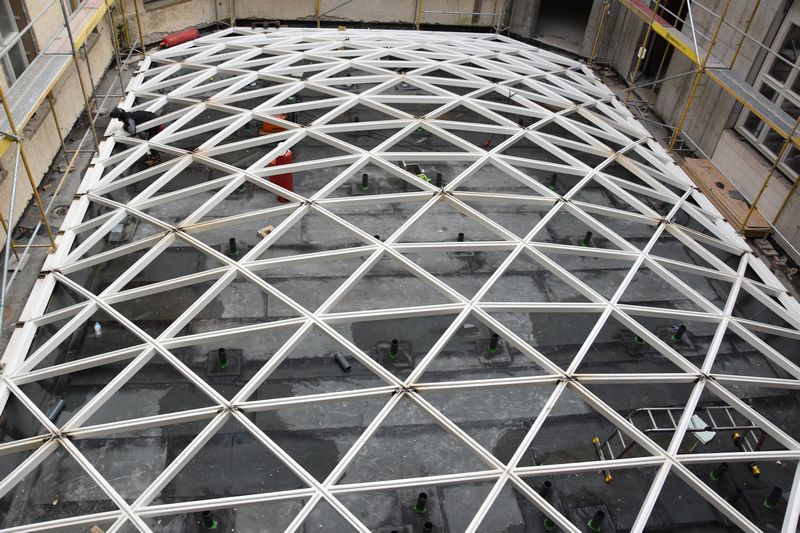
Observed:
{"x":753,"y":124}
{"x":789,"y":50}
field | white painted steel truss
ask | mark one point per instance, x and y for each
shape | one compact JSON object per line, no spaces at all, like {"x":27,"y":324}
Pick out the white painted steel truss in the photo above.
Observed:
{"x":218,"y":86}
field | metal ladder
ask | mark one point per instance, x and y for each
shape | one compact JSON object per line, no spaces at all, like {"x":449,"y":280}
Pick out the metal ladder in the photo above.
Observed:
{"x":746,"y":436}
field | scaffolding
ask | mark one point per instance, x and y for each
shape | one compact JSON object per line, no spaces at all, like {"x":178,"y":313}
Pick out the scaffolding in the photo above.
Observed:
{"x":35,"y":86}
{"x":699,"y":49}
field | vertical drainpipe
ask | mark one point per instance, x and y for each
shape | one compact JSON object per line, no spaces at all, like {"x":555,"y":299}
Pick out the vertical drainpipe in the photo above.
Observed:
{"x":476,"y":8}
{"x":504,"y":17}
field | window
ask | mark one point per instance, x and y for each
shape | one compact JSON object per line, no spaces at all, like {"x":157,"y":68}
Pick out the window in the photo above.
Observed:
{"x":17,"y":49}
{"x":779,"y":82}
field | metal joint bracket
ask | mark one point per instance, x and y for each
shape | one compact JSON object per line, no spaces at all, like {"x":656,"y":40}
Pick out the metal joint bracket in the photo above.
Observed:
{"x":15,"y":138}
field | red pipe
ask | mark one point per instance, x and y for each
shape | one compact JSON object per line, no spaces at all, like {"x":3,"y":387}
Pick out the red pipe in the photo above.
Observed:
{"x":283,"y":180}
{"x":181,"y":37}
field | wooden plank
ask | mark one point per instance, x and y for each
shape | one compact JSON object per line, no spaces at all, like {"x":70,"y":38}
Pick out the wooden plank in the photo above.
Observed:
{"x":725,"y":197}
{"x":81,"y":23}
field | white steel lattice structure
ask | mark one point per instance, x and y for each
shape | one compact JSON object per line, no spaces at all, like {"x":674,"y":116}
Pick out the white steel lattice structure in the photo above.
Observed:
{"x":531,"y":145}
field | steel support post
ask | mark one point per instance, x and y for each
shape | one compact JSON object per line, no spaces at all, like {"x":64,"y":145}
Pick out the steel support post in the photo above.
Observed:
{"x":642,"y":50}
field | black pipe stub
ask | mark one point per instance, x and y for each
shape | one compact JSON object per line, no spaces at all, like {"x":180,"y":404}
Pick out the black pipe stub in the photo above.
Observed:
{"x":549,"y":525}
{"x":422,"y":503}
{"x":55,"y":410}
{"x":460,"y":237}
{"x":394,"y":349}
{"x":639,"y":340}
{"x":544,"y":490}
{"x":733,"y":498}
{"x":679,"y":332}
{"x":208,"y":520}
{"x":222,"y":358}
{"x":596,"y":522}
{"x":774,"y":498}
{"x":439,"y":179}
{"x":427,"y":526}
{"x":493,"y":342}
{"x":341,"y":360}
{"x":232,"y":250}
{"x":587,"y":239}
{"x":553,"y":181}
{"x":364,"y":181}
{"x":717,"y":472}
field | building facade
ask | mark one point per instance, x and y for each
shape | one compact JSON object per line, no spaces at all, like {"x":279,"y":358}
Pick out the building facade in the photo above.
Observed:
{"x":717,"y":125}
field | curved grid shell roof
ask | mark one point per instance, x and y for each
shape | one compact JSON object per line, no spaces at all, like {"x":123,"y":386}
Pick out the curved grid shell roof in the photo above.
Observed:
{"x":508,"y":192}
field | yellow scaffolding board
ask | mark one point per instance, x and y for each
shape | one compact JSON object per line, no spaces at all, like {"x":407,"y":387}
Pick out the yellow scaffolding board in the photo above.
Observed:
{"x":671,"y":34}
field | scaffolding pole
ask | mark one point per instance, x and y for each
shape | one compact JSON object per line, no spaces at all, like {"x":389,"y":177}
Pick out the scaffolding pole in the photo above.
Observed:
{"x":664,"y":60}
{"x":4,"y":224}
{"x":125,"y":30}
{"x":28,"y":170}
{"x":116,"y":48}
{"x":744,"y":33}
{"x":8,"y":238}
{"x":786,"y":200}
{"x":640,"y":53}
{"x":75,"y":153}
{"x":772,"y":169}
{"x":701,"y":70}
{"x":76,"y":61}
{"x":51,"y":101}
{"x":139,"y":26}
